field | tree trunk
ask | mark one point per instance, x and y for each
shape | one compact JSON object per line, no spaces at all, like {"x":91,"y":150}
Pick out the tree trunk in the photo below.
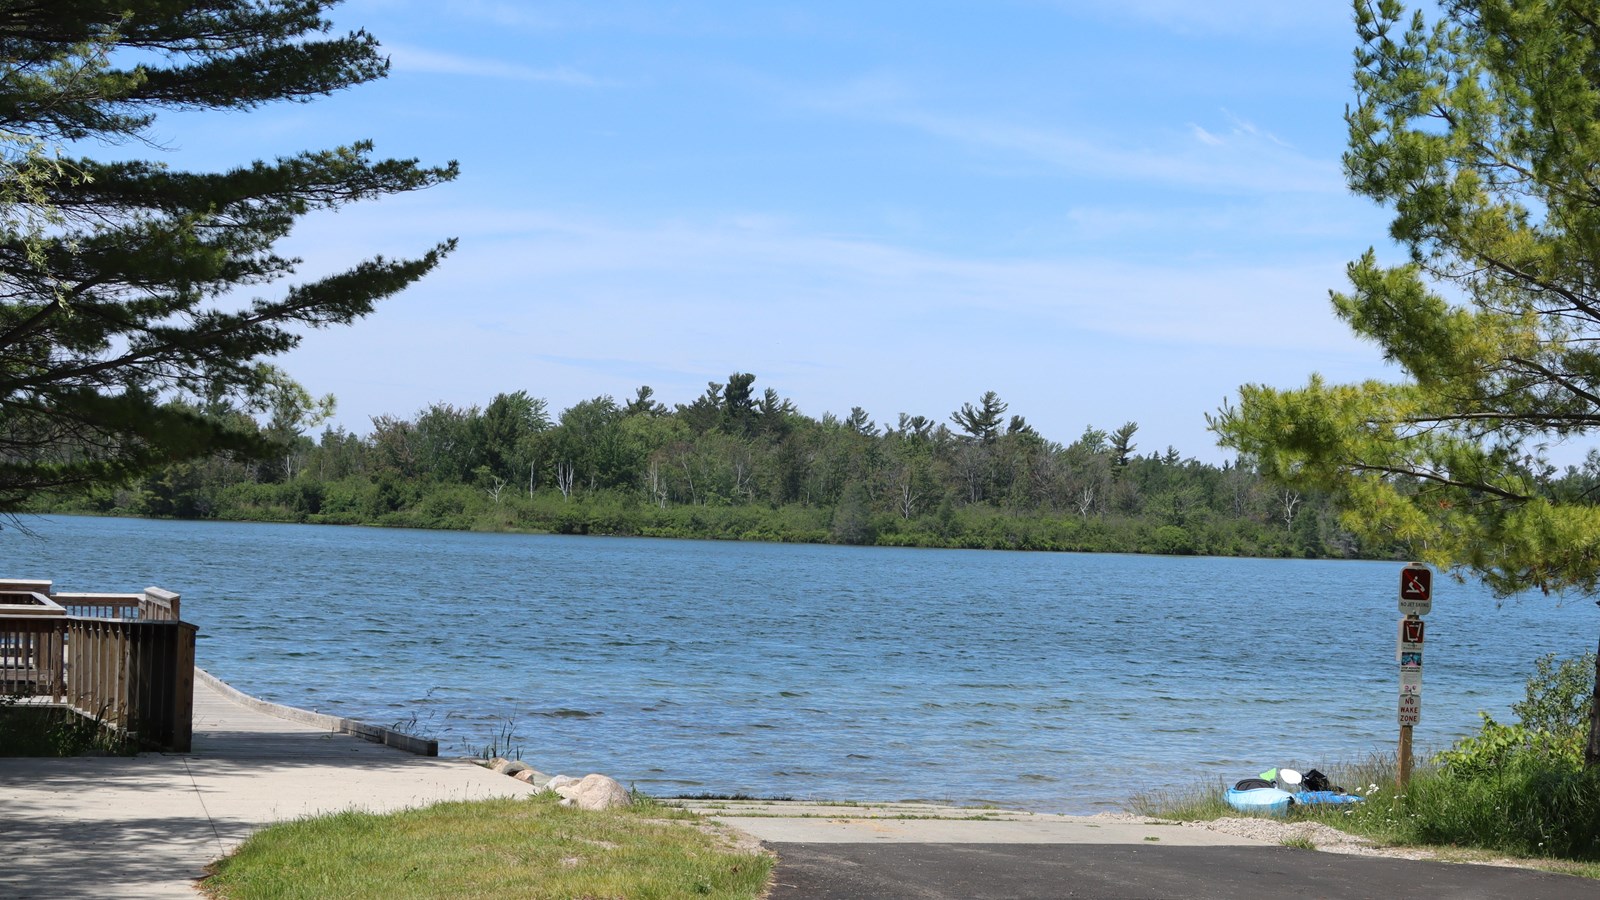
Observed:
{"x":1591,"y":753}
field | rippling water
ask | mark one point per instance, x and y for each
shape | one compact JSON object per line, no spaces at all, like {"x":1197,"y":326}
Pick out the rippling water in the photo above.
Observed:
{"x":1054,"y":682}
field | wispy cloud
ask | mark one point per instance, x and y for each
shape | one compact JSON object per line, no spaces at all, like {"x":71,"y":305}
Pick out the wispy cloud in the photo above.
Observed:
{"x":1242,"y":158}
{"x":1204,"y":136}
{"x":1219,"y":165}
{"x":1233,"y":17}
{"x":572,"y":306}
{"x":420,"y":60}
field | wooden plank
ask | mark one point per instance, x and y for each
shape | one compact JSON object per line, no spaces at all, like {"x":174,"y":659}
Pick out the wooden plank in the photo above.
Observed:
{"x":183,"y":686}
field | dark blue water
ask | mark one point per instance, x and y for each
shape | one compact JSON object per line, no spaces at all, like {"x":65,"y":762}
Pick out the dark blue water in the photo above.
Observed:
{"x":1047,"y":681}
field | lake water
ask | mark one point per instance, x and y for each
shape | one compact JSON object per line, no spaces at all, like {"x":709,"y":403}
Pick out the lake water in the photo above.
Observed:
{"x":1052,"y":682}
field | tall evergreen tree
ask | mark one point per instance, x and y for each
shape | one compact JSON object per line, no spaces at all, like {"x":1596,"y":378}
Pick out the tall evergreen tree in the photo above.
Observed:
{"x":1478,"y":127}
{"x":119,"y":280}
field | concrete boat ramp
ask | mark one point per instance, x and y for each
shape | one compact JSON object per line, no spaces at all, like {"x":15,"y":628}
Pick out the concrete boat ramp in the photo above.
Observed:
{"x":790,"y":822}
{"x":147,"y":826}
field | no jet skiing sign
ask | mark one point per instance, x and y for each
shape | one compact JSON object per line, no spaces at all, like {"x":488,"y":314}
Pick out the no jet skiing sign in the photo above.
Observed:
{"x":1416,"y":590}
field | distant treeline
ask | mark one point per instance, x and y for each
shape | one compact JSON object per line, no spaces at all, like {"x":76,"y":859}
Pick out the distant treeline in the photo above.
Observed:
{"x":734,"y":464}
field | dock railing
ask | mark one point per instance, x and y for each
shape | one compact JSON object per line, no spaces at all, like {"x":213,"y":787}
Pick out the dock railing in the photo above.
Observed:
{"x":126,"y":660}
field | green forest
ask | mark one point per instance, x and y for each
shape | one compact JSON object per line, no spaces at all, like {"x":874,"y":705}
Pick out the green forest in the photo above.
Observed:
{"x":735,"y":464}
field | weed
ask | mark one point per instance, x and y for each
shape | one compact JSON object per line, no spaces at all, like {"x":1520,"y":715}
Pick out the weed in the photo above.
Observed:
{"x":504,"y":744}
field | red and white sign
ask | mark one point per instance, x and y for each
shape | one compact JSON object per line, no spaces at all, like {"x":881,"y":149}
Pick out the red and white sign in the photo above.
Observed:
{"x":1411,"y":631}
{"x":1410,"y":709}
{"x":1409,"y":639}
{"x":1416,"y":590}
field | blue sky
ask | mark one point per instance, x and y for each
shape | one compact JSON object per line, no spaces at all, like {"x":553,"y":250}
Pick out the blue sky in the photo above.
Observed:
{"x":1103,"y":212}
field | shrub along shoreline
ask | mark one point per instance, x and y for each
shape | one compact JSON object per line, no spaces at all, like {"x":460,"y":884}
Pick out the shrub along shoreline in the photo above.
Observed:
{"x":1519,"y":790}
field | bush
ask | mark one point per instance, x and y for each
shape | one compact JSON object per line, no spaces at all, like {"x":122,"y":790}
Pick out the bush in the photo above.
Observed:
{"x":1560,"y":694}
{"x":1496,"y":747}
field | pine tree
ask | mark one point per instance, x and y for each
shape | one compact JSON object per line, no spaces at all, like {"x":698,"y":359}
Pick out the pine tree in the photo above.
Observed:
{"x":120,"y":281}
{"x":1480,"y":128}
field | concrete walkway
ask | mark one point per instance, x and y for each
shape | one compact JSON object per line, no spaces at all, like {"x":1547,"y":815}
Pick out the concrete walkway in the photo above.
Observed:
{"x":148,"y":826}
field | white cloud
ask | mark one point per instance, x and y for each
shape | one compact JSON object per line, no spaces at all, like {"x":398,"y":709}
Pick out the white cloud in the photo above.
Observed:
{"x":1233,"y":17}
{"x":570,"y":307}
{"x":409,"y":59}
{"x":1249,"y":162}
{"x":1245,"y":158}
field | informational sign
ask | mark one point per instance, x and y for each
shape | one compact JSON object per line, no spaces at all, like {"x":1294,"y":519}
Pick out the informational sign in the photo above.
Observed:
{"x":1409,"y":640}
{"x":1410,"y":681}
{"x":1410,"y":709}
{"x":1411,"y":631}
{"x":1416,"y":590}
{"x":1411,"y":659}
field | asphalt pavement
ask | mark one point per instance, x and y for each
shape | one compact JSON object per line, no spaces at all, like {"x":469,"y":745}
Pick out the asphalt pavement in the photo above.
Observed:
{"x":970,"y":871}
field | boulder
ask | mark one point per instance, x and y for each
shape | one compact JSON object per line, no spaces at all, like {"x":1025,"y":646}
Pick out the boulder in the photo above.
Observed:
{"x":531,"y":776}
{"x":559,"y":782}
{"x":508,"y":766}
{"x":595,"y":792}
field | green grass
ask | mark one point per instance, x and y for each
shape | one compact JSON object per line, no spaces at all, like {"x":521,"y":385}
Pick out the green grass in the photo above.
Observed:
{"x":1197,"y":804}
{"x":532,"y":848}
{"x":1522,"y":809}
{"x":54,"y":731}
{"x":1547,"y":816}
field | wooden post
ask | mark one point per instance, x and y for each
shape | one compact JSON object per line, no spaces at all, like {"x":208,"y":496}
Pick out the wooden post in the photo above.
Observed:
{"x":1404,"y":778}
{"x":182,"y":700}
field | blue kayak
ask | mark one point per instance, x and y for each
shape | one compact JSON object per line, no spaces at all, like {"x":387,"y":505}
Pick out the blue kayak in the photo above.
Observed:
{"x":1260,"y":801}
{"x":1313,"y":797}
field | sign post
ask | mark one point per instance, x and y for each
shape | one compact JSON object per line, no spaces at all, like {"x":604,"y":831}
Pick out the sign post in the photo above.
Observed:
{"x":1416,"y":601}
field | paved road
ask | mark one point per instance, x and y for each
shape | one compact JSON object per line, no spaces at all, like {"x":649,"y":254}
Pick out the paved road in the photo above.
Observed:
{"x":928,"y":852}
{"x":973,"y":871}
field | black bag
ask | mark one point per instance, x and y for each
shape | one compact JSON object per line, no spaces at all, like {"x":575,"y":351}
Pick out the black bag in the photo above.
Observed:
{"x":1316,"y":781}
{"x":1250,"y":784}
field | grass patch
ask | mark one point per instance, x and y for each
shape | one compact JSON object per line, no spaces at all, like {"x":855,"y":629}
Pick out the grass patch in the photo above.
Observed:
{"x":529,"y":847}
{"x":1525,"y":809}
{"x":1197,"y":804}
{"x":54,"y":731}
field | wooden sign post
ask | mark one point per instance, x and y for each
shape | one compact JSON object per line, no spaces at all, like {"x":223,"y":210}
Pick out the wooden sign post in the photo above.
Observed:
{"x":1416,"y":601}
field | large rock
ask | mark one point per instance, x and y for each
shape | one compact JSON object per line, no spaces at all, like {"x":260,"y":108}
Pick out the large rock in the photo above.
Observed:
{"x":595,"y":792}
{"x":531,"y":776}
{"x":508,"y":766}
{"x":560,"y":781}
